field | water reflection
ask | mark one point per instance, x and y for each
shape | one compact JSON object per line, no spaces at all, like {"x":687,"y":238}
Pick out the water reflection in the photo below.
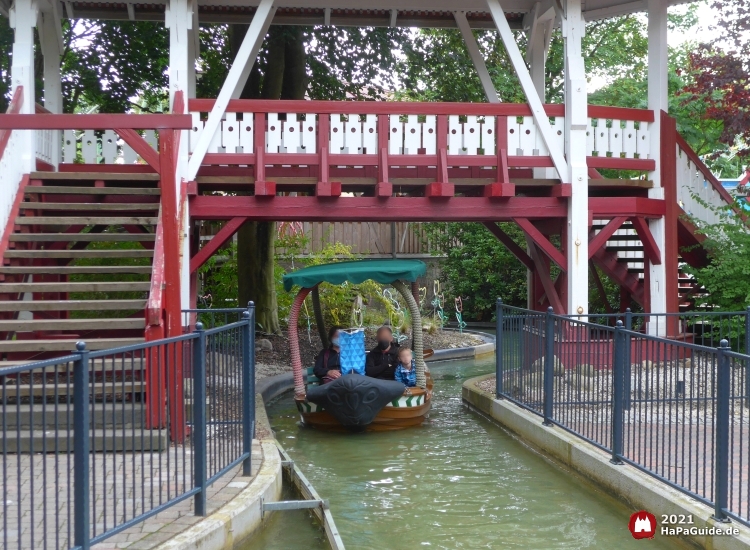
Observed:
{"x":456,"y":482}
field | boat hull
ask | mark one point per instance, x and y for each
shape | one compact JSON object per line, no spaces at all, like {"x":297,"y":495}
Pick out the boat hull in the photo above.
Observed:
{"x":405,"y":412}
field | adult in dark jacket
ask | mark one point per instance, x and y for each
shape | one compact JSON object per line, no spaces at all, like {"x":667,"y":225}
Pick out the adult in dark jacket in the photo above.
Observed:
{"x":327,"y":366}
{"x":383,"y":359}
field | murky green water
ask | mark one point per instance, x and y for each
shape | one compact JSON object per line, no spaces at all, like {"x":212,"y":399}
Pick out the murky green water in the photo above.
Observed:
{"x":459,"y":481}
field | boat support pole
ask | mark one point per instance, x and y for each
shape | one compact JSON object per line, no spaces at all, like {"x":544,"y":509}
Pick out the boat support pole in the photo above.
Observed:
{"x":299,"y":382}
{"x":416,"y":329}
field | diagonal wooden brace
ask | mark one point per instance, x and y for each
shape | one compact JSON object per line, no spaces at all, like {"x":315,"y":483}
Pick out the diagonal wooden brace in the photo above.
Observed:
{"x":603,"y":236}
{"x":140,"y":146}
{"x":218,"y":240}
{"x":510,"y":244}
{"x":650,"y":248}
{"x":544,"y":245}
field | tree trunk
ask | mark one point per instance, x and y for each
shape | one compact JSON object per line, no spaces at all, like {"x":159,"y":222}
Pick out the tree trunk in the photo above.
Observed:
{"x":284,"y":77}
{"x":255,"y":265}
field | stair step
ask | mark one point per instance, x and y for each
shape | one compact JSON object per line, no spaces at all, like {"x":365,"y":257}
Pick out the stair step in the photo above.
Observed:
{"x":7,"y":346}
{"x":635,"y":270}
{"x":59,"y":416}
{"x":38,"y":390}
{"x":70,"y":269}
{"x":93,"y":176}
{"x":135,"y":439}
{"x":71,"y":305}
{"x":631,"y":260}
{"x":85,"y":220}
{"x":624,"y":238}
{"x":615,"y":248}
{"x":135,"y":253}
{"x":29,"y":325}
{"x":121,"y":364}
{"x":64,"y":206}
{"x":82,"y":237}
{"x":138,"y":286}
{"x":77,"y":190}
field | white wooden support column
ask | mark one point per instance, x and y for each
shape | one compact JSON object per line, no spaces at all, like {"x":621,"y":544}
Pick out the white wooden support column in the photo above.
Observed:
{"x":50,"y":37}
{"x":476,"y":56}
{"x":535,"y":103}
{"x":657,"y":101}
{"x":181,"y":18}
{"x":234,"y":82}
{"x":538,"y":24}
{"x":23,"y":19}
{"x":576,"y":120}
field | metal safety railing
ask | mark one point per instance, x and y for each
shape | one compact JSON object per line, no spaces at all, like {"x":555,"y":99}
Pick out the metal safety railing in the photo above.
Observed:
{"x":675,"y":409}
{"x":98,"y":441}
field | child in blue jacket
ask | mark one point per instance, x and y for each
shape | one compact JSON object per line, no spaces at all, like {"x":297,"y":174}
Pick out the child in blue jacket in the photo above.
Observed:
{"x":406,"y":371}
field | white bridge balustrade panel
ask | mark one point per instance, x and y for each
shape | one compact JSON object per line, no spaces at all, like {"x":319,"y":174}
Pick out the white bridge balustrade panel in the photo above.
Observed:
{"x":44,"y":144}
{"x":410,"y":136}
{"x":695,"y":194}
{"x":618,"y":138}
{"x":291,"y":133}
{"x":525,"y":139}
{"x":475,"y":136}
{"x":234,"y":134}
{"x":353,"y":134}
{"x":95,"y":147}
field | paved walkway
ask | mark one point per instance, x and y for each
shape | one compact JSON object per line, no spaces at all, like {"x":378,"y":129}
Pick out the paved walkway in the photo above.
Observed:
{"x":134,"y":483}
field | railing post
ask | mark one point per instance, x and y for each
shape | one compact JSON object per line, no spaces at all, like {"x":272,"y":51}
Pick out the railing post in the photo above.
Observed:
{"x":199,"y":418}
{"x":618,"y":385}
{"x":549,"y":365}
{"x":499,"y":366}
{"x":248,"y":386}
{"x":747,"y":352}
{"x":81,"y":448}
{"x":628,"y":359}
{"x":721,"y":460}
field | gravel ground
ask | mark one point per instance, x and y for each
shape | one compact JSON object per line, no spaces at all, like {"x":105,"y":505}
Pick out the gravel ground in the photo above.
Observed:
{"x":278,"y":360}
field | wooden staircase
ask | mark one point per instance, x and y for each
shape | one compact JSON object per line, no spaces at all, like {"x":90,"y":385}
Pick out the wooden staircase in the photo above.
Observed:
{"x":78,"y":263}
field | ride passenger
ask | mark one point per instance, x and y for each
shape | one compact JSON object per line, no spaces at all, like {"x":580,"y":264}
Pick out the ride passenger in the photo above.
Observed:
{"x":382,"y":360}
{"x":406,"y":370}
{"x":327,"y":363}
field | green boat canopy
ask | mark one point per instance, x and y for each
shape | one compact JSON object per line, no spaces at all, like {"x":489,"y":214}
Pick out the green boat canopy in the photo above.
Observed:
{"x":381,"y":271}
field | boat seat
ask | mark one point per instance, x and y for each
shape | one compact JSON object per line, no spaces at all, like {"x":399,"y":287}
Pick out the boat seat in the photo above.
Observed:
{"x":311,"y":378}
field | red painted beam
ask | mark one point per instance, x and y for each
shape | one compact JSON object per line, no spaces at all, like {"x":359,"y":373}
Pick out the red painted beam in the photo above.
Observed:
{"x":607,"y":207}
{"x":547,"y":247}
{"x":645,"y":165}
{"x":510,"y":244}
{"x":218,"y":240}
{"x":211,"y":207}
{"x":15,"y":105}
{"x":603,"y":236}
{"x":95,"y":122}
{"x":650,"y":248}
{"x":668,"y":156}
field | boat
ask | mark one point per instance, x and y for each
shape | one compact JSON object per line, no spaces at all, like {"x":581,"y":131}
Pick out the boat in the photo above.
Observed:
{"x":353,"y":402}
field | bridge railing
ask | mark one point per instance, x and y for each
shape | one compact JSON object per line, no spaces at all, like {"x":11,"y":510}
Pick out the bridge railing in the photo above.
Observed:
{"x":82,"y":455}
{"x":400,"y":134}
{"x":677,"y":410}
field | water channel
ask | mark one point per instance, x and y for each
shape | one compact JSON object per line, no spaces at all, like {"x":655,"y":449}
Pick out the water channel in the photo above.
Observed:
{"x":459,"y":481}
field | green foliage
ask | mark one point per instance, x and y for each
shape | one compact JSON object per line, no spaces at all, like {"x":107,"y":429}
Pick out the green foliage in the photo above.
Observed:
{"x":478,"y":268}
{"x":727,"y":275}
{"x":220,"y":282}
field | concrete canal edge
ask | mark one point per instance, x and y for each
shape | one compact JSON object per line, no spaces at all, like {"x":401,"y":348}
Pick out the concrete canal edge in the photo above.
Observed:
{"x":236,"y":521}
{"x":626,"y":483}
{"x":240,"y":518}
